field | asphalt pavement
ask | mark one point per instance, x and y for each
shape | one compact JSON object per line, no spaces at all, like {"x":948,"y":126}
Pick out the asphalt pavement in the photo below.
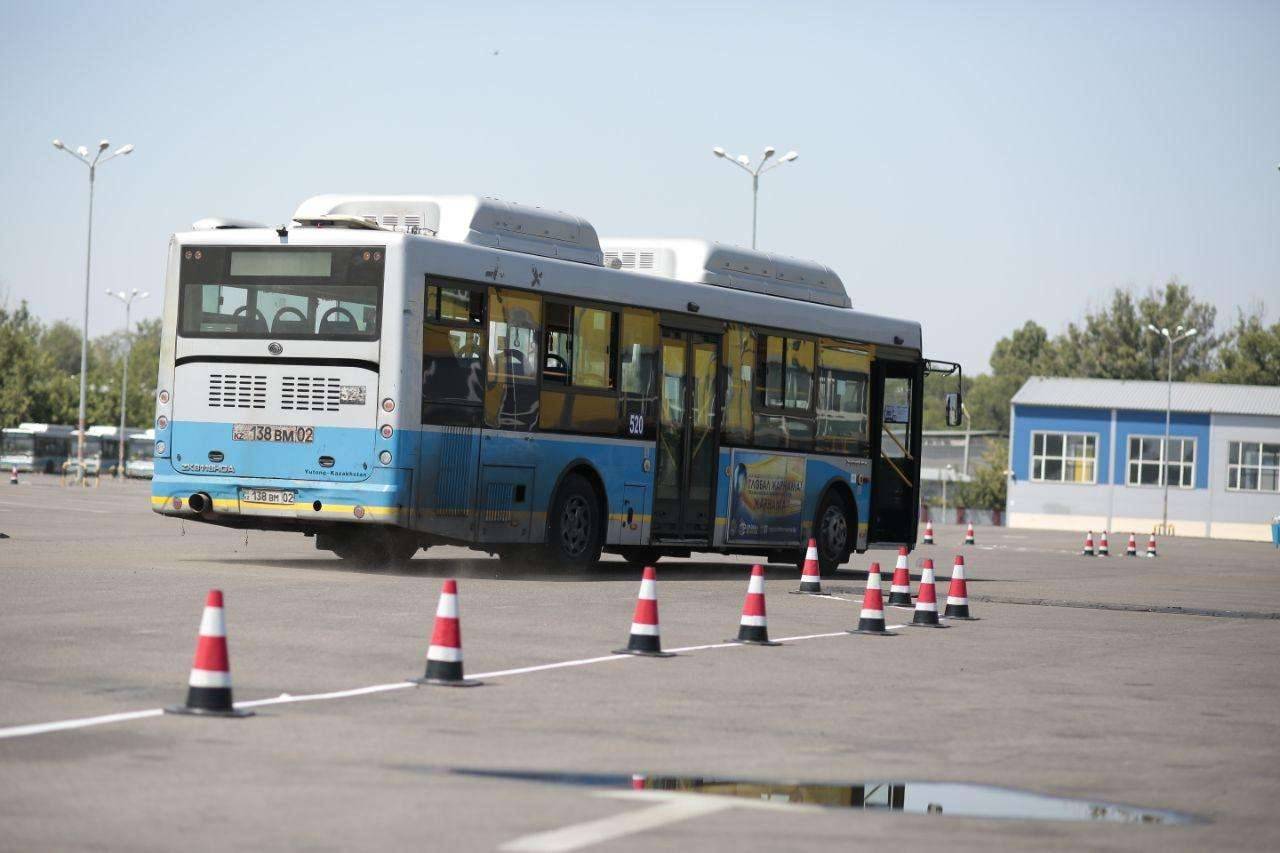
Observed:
{"x":1090,"y":678}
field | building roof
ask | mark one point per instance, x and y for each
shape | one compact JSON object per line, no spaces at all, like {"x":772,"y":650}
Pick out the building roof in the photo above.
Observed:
{"x":1149,"y":396}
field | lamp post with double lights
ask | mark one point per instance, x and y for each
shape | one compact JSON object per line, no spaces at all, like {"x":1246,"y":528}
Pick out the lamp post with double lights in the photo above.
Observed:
{"x":82,"y":154}
{"x":743,"y":162}
{"x":127,"y":299}
{"x":1171,"y":339}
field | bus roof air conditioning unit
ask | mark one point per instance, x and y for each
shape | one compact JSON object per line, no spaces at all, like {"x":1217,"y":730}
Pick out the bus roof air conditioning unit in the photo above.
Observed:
{"x":705,"y":262}
{"x":465,"y":219}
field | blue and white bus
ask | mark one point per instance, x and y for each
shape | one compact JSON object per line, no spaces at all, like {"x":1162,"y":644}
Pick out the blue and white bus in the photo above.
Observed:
{"x":388,"y":373}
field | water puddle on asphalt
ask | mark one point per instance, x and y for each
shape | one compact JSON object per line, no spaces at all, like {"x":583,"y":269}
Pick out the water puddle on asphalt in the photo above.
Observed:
{"x":946,"y":799}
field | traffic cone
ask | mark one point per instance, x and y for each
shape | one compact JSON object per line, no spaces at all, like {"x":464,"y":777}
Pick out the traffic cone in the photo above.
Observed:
{"x":1131,"y":550}
{"x":871,"y":617}
{"x":900,"y":589}
{"x":13,"y":476}
{"x":444,"y":655}
{"x":209,"y":687}
{"x":957,"y":593}
{"x":1088,"y":545}
{"x":928,"y":533}
{"x":645,"y":639}
{"x":1151,"y":545}
{"x":968,"y":534}
{"x":1104,"y":550}
{"x":811,"y":574}
{"x":753,"y":628}
{"x":926,"y":615}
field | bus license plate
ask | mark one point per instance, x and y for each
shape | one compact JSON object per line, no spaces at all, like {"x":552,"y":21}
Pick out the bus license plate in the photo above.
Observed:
{"x":267,"y":432}
{"x":268,"y":496}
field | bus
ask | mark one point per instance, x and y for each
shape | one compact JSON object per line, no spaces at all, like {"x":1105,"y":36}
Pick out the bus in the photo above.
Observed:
{"x":388,"y":373}
{"x":46,"y":448}
{"x":139,"y":449}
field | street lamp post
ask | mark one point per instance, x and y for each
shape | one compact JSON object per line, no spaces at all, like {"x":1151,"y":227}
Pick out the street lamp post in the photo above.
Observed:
{"x":1171,"y":339}
{"x":127,"y":299}
{"x":82,"y":154}
{"x":743,"y":162}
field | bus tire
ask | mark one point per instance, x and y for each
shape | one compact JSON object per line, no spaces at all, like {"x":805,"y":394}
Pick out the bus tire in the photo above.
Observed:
{"x":639,"y":556}
{"x":575,"y":528}
{"x":831,"y":528}
{"x":378,"y":548}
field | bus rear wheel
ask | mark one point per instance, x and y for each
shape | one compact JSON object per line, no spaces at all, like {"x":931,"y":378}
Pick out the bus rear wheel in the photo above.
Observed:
{"x":575,"y":534}
{"x":379,"y":548}
{"x":831,"y":529}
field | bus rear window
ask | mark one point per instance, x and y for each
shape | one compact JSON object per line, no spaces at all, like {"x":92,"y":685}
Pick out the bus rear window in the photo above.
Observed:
{"x":288,"y":293}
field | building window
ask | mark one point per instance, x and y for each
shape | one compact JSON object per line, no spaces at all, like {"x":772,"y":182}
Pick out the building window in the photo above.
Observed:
{"x":1253,"y":466}
{"x":1064,"y":457}
{"x":1146,"y":461}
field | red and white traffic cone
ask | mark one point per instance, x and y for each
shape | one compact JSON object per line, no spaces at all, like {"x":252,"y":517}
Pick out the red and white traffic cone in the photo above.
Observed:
{"x":645,"y":639}
{"x":900,"y":589}
{"x":209,"y":687}
{"x":1088,"y":545}
{"x":958,"y":593}
{"x":968,"y":534}
{"x":637,"y":781}
{"x":871,"y":617}
{"x":753,"y":628}
{"x":1131,"y":550}
{"x":444,"y":655}
{"x":13,"y":476}
{"x":811,"y":574}
{"x":926,"y":615}
{"x":928,"y":533}
{"x":1151,"y":545}
{"x":1104,"y":549}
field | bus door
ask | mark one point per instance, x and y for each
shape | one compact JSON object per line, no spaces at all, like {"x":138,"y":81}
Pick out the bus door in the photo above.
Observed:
{"x":684,"y":483}
{"x":896,"y":403}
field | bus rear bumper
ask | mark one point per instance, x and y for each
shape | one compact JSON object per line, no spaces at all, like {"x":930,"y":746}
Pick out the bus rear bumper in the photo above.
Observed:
{"x":382,"y":499}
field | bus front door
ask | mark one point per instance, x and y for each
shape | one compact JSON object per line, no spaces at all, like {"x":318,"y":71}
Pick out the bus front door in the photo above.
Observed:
{"x":895,"y":446}
{"x":684,"y":483}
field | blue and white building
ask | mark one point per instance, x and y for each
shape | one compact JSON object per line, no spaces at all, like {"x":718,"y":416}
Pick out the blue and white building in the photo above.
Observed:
{"x":1088,"y":454}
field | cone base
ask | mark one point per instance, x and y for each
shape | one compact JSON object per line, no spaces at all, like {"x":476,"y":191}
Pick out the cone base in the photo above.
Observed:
{"x":807,"y":592}
{"x":447,"y":682}
{"x":904,"y":601}
{"x":641,"y":653}
{"x":962,"y":618}
{"x":872,"y":633}
{"x":926,"y":625}
{"x":205,"y":712}
{"x":743,"y":642}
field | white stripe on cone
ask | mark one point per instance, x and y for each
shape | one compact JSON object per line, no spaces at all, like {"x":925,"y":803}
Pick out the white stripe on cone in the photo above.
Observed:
{"x":753,"y":621}
{"x":811,"y":555}
{"x":444,"y":654}
{"x":927,"y":605}
{"x":648,"y":589}
{"x":448,"y":606}
{"x":641,"y":628}
{"x":212,"y":623}
{"x":756,"y":585}
{"x":209,"y":678}
{"x":871,"y":614}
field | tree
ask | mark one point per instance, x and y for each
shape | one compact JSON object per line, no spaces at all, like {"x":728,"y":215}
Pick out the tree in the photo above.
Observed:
{"x":1115,"y":343}
{"x":989,"y":487}
{"x":1250,"y":353}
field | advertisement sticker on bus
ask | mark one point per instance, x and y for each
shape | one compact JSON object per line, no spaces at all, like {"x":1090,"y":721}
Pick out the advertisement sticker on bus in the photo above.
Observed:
{"x":766,"y":498}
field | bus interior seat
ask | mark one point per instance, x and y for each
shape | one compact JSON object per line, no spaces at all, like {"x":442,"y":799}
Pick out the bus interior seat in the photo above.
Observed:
{"x":285,"y":326}
{"x":339,"y":326}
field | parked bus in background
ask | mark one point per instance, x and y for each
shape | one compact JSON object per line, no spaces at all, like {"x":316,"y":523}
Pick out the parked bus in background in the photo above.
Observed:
{"x":139,"y":450}
{"x":45,"y":448}
{"x":392,"y":372}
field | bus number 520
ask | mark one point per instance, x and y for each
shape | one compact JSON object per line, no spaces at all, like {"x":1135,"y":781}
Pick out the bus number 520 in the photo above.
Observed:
{"x":635,"y":424}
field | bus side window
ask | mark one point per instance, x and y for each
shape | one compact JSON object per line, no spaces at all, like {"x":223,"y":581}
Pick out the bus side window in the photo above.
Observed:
{"x":511,"y":389}
{"x":639,"y":346}
{"x":739,"y":362}
{"x":453,"y":355}
{"x":843,"y":371}
{"x":784,"y":393}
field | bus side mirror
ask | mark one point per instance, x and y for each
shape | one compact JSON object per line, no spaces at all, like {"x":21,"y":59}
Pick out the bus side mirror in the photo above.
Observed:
{"x":953,"y":410}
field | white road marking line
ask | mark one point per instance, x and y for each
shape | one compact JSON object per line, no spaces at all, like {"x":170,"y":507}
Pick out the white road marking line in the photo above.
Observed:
{"x":287,"y":698}
{"x":63,"y":725}
{"x":581,"y":835}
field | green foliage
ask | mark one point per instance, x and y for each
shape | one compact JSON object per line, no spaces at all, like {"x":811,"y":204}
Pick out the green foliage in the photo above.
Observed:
{"x":1251,"y":354}
{"x":40,"y":380}
{"x":989,"y":487}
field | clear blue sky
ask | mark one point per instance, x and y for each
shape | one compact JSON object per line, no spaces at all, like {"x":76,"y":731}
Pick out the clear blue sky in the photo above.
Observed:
{"x":969,"y":165}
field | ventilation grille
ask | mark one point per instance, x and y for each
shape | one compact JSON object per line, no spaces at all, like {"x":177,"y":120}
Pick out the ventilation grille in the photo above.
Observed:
{"x":629,"y":260}
{"x":310,"y":393}
{"x":237,"y":391}
{"x":452,"y":483}
{"x":498,"y":501}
